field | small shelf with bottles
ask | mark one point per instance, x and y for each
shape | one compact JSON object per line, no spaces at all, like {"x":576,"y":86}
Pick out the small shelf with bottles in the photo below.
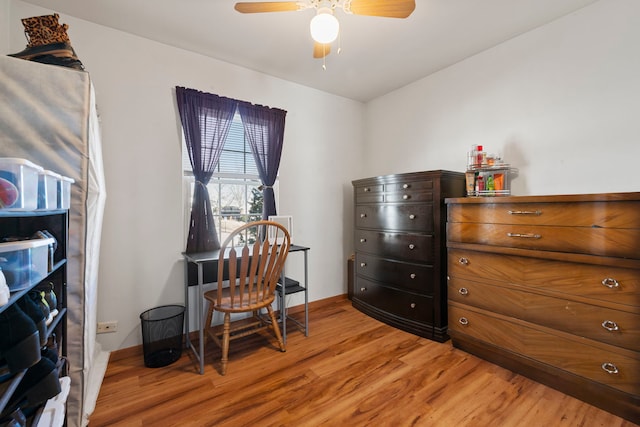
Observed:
{"x":490,"y":180}
{"x":487,"y":175}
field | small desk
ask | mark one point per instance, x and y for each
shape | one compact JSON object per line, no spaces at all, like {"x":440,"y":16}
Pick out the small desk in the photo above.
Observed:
{"x":199,"y":259}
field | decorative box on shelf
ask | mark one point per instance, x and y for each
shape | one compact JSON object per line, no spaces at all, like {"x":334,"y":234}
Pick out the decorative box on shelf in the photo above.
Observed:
{"x":490,"y":180}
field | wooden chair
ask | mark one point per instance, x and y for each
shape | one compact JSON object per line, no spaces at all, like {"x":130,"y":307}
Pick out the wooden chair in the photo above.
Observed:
{"x":254,"y":257}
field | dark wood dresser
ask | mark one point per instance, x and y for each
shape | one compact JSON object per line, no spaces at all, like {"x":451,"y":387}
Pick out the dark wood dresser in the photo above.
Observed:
{"x":400,"y":261}
{"x":549,"y":287}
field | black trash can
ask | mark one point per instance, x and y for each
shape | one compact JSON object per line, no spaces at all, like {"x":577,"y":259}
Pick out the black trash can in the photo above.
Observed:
{"x":162,"y":329}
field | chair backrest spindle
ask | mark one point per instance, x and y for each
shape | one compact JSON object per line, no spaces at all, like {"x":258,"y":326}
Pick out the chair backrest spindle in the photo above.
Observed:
{"x":253,"y":268}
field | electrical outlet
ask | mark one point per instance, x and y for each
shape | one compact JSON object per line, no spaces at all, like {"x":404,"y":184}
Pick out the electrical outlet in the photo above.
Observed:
{"x":104,"y":327}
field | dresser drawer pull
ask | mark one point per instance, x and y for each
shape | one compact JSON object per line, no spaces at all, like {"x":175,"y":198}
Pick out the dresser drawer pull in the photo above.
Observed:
{"x":412,"y":216}
{"x":463,"y":261}
{"x":405,"y":186}
{"x":363,"y":289}
{"x":363,"y":264}
{"x":463,"y":291}
{"x":610,"y":325}
{"x":363,"y":240}
{"x":538,"y":213}
{"x":406,"y":197}
{"x":610,"y":283}
{"x":463,"y":321}
{"x":610,"y":368}
{"x":524,"y":236}
{"x":412,"y":305}
{"x":412,"y":246}
{"x":366,"y":189}
{"x":362,"y":215}
{"x":412,"y":275}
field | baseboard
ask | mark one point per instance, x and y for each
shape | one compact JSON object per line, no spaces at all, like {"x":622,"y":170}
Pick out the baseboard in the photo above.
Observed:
{"x":313,"y":305}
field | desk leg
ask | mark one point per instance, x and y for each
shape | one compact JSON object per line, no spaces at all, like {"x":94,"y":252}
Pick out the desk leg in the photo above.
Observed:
{"x":283,"y":307}
{"x":306,"y":295}
{"x":186,"y":304}
{"x":200,"y":310}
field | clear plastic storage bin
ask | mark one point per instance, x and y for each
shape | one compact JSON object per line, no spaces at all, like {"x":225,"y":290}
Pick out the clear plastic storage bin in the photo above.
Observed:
{"x":64,"y":192}
{"x":25,"y":262}
{"x":48,"y":183}
{"x":18,"y":184}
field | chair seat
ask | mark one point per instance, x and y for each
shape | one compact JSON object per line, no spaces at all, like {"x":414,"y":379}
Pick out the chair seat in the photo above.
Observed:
{"x":225,"y":301}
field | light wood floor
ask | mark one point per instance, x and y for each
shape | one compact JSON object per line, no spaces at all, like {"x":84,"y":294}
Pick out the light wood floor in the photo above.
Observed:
{"x":351,"y":371}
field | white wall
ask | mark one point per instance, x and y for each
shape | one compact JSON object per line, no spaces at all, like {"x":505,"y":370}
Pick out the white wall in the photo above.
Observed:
{"x":141,"y":265}
{"x":561,"y":103}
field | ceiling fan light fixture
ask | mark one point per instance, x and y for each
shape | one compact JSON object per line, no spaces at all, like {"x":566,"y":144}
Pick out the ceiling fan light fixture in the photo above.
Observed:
{"x":324,"y":26}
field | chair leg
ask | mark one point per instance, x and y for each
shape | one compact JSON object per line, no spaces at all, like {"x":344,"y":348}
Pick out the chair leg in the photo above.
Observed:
{"x":276,"y":328}
{"x":225,"y":343}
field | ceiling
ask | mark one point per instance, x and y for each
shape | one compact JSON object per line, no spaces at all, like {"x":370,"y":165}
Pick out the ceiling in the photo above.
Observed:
{"x":378,"y":54}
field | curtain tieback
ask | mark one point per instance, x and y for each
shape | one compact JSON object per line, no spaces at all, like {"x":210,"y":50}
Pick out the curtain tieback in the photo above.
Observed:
{"x":264,"y":187}
{"x":202,"y":184}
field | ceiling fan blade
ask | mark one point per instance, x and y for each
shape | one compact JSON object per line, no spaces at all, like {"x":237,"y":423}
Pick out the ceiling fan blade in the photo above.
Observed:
{"x":385,"y":8}
{"x":267,"y":6}
{"x":321,"y":50}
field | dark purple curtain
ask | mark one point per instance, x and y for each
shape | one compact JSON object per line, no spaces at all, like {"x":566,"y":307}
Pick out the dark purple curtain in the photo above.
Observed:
{"x":264,"y":129}
{"x":206,"y":119}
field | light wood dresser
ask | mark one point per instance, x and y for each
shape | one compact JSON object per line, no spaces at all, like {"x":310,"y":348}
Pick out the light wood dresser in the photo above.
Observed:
{"x":549,"y":287}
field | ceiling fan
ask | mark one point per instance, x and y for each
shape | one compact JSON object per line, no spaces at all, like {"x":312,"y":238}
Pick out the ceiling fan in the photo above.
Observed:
{"x":324,"y":26}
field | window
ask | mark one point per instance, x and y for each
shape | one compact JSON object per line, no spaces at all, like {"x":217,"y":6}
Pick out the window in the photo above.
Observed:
{"x":233,"y":188}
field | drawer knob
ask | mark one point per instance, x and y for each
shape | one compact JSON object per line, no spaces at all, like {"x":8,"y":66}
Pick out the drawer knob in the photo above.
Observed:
{"x":363,"y":289}
{"x":463,"y":291}
{"x":363,"y":264}
{"x":412,"y":275}
{"x":412,"y":305}
{"x":463,"y":321}
{"x":463,"y":261}
{"x":412,"y":216}
{"x":610,"y":325}
{"x":405,"y":186}
{"x":363,"y":240}
{"x":610,"y":283}
{"x":537,"y":213}
{"x":366,"y":189}
{"x":412,"y":246}
{"x":524,"y":235}
{"x":610,"y":368}
{"x":363,"y":215}
{"x":406,"y":197}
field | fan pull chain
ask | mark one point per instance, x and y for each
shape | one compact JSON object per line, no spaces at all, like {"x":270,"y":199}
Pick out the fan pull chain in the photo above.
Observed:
{"x":324,"y":57}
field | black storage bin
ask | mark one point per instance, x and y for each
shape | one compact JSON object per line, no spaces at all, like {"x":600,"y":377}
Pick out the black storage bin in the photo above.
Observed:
{"x":162,"y":329}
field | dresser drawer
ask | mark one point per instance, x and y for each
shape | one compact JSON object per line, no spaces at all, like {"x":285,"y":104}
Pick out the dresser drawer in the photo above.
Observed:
{"x":611,"y":242}
{"x":407,"y":305}
{"x":369,"y":193}
{"x":406,"y":217}
{"x":605,"y":364}
{"x":414,"y":277}
{"x":598,"y":282}
{"x":614,"y":327}
{"x":401,"y":246}
{"x":622,"y":214}
{"x":409,"y":186}
{"x":409,"y":191}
